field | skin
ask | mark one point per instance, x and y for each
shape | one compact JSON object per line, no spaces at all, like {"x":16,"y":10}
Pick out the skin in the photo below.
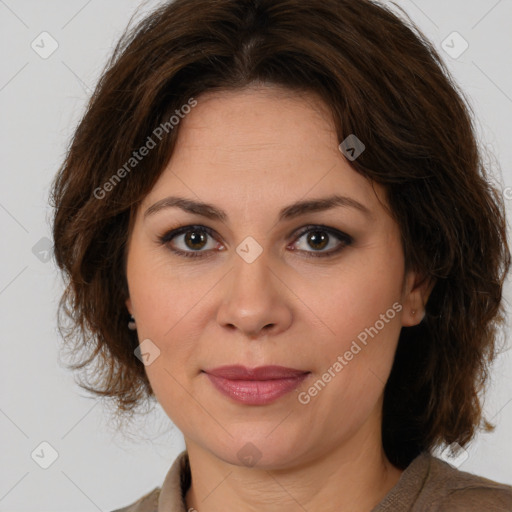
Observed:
{"x":251,"y":153}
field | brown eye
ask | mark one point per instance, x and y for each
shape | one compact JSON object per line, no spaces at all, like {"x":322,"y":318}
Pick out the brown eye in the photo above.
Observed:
{"x":189,"y":241}
{"x":318,"y":238}
{"x":192,"y":241}
{"x":195,"y":239}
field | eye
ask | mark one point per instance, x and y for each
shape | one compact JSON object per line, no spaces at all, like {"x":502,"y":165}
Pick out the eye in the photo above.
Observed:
{"x":189,"y":241}
{"x":320,"y":237}
{"x":193,"y":239}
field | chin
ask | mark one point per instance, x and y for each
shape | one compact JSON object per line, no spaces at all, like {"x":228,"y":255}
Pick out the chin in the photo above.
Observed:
{"x":260,"y":450}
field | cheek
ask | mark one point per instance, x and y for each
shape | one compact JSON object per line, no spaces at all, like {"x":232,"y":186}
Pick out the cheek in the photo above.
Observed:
{"x":159,"y":304}
{"x":355,"y":354}
{"x":159,"y":293}
{"x":372,"y":283}
{"x":347,"y":299}
{"x":162,"y":305}
{"x":163,"y":315}
{"x":358,"y":312}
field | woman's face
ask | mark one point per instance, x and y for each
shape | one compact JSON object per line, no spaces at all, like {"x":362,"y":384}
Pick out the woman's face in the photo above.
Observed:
{"x":320,"y":290}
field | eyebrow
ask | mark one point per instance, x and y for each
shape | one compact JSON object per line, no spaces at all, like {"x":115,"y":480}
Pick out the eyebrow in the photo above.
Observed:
{"x":294,"y":210}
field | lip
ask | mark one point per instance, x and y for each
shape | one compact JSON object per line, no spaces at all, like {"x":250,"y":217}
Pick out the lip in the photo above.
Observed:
{"x":239,"y":372}
{"x":255,"y":386}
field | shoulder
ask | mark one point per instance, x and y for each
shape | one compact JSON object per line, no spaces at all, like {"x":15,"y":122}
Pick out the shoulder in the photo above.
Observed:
{"x":147,"y":503}
{"x":448,"y":488}
{"x":169,"y":496}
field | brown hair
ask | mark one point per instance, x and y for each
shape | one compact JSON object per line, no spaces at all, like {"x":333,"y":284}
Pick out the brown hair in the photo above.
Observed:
{"x":383,"y":81}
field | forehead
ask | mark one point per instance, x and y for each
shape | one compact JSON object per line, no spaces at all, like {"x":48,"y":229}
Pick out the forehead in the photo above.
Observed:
{"x":259,"y":146}
{"x":258,"y":118}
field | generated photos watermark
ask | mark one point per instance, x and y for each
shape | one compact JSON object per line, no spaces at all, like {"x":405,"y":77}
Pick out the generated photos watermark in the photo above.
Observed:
{"x":304,"y":397}
{"x":144,"y":150}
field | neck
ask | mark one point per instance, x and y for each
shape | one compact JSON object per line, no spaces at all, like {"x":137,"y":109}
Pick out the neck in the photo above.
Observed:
{"x":353,"y":477}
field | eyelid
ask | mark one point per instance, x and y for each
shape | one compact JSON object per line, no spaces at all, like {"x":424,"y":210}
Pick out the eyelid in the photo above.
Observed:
{"x":344,"y":239}
{"x":174,"y":232}
{"x":332,"y":231}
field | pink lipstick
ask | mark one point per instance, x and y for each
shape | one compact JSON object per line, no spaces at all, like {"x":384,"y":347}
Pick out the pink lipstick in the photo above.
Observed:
{"x":255,"y":386}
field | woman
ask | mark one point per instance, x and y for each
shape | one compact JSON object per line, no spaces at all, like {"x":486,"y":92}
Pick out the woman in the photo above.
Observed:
{"x":266,"y":227}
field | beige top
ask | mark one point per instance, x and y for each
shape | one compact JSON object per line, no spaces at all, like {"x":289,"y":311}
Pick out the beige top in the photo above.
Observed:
{"x":428,"y":484}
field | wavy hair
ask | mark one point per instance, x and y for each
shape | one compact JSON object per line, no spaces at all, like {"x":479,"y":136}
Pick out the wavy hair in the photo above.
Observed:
{"x":383,"y":81}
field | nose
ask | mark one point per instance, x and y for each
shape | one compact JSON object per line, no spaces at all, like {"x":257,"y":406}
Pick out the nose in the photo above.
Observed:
{"x":255,"y":299}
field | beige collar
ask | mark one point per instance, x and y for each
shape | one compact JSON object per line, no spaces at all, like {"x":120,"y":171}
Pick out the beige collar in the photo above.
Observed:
{"x":175,"y":486}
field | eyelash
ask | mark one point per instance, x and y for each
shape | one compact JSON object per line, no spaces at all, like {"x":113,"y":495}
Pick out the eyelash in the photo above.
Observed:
{"x":170,"y":235}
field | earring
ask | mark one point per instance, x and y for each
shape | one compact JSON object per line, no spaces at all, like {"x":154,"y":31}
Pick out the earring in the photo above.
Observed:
{"x":413,"y":312}
{"x":131,"y":324}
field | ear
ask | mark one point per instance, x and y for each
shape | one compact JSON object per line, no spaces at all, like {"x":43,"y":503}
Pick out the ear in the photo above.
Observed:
{"x":416,"y":293}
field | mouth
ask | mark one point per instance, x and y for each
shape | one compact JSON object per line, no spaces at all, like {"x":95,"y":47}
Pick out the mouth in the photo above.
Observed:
{"x":255,"y":386}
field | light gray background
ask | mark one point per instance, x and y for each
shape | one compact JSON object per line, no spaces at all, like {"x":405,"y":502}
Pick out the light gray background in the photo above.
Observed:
{"x":41,"y":101}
